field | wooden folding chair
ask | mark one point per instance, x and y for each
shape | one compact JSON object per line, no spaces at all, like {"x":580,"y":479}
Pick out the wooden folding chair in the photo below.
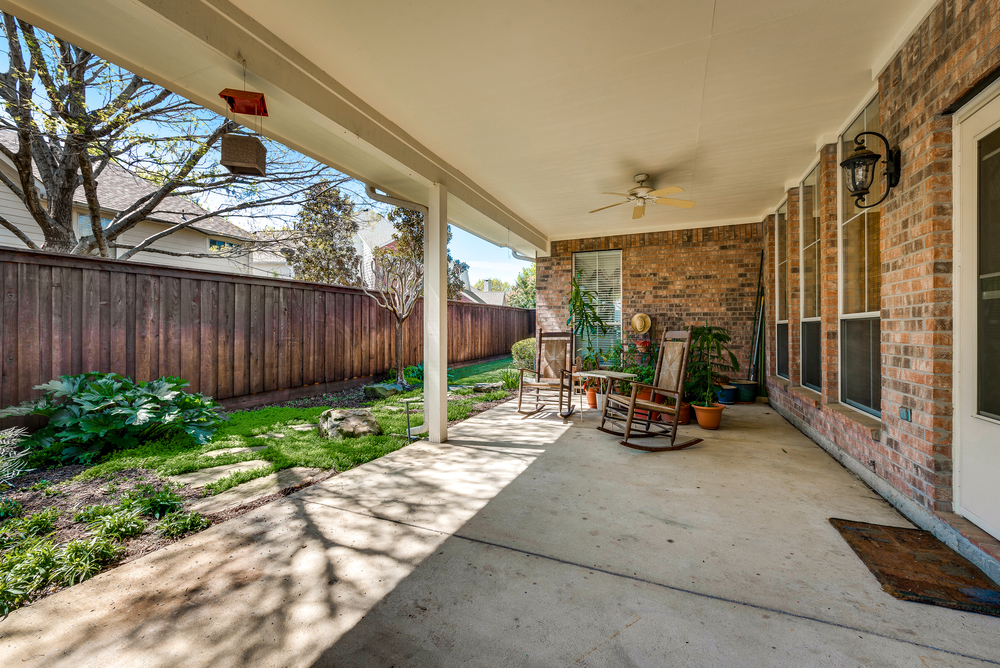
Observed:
{"x":620,"y":411}
{"x":552,"y":374}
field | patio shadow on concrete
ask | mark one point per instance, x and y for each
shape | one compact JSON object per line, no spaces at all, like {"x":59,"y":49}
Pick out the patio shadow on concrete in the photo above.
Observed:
{"x":523,"y":542}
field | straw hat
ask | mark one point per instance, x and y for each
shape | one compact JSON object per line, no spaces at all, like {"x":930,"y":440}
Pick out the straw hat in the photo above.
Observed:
{"x":641,"y":323}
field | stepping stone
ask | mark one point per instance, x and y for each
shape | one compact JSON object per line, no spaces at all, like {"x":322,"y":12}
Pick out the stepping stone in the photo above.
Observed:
{"x":487,"y":387}
{"x":305,"y":427}
{"x":234,"y":451}
{"x":268,"y":435}
{"x":202,"y":477}
{"x":254,"y":489}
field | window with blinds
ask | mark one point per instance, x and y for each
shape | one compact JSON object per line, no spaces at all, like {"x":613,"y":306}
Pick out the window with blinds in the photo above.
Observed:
{"x":810,"y":248}
{"x":781,"y":281}
{"x":860,"y":234}
{"x":600,"y":272}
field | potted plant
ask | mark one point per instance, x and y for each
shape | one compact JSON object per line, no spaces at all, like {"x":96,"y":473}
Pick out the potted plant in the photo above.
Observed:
{"x":586,"y":324}
{"x":710,"y":358}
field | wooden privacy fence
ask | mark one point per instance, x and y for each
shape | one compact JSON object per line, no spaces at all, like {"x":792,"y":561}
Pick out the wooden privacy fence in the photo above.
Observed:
{"x":243,"y":340}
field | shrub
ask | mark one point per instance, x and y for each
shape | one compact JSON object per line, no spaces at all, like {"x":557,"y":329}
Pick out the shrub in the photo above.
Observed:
{"x":9,"y":509}
{"x":92,"y":413}
{"x":524,"y":354}
{"x":414,"y":372}
{"x":81,"y":559}
{"x":16,"y":531}
{"x":511,"y":378}
{"x":176,"y":524}
{"x":118,"y":526}
{"x":149,"y":500}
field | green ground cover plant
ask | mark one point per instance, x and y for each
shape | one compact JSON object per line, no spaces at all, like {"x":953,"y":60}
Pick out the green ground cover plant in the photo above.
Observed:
{"x":92,"y":414}
{"x":177,"y":454}
{"x":177,"y":524}
{"x":118,"y":526}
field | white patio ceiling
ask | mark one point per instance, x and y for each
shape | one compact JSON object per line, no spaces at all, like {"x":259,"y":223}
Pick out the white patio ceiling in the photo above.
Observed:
{"x":527,"y":110}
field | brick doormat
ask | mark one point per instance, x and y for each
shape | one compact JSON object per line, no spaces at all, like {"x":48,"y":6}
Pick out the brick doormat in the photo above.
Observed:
{"x":915,"y":566}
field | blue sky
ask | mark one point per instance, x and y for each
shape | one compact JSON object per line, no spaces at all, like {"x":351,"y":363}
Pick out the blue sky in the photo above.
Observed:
{"x":484,"y":259}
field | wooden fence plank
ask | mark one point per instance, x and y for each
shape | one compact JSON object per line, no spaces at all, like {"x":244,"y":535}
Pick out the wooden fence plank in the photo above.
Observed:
{"x":225,"y":329}
{"x":231,"y":336}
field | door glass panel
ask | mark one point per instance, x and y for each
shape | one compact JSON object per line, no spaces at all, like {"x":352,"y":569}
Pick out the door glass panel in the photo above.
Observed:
{"x":988,"y":294}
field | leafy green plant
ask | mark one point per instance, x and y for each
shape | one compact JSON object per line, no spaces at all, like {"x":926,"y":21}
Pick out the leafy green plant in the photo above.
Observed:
{"x":24,"y":570}
{"x":177,"y":524}
{"x":40,"y":486}
{"x":16,"y":531}
{"x":9,"y":509}
{"x":90,"y":513}
{"x":81,"y":559}
{"x":151,"y":501}
{"x":523,"y":353}
{"x":91,"y":414}
{"x":118,"y":526}
{"x":585,"y":320}
{"x":710,"y":358}
{"x":511,"y":378}
{"x":495,"y":395}
{"x":414,"y":372}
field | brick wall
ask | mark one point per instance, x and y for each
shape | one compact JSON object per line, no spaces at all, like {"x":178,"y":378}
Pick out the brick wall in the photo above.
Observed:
{"x":679,"y":278}
{"x":955,"y":47}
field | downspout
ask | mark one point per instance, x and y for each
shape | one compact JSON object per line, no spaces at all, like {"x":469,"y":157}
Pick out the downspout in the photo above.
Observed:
{"x":401,"y":203}
{"x":420,"y":208}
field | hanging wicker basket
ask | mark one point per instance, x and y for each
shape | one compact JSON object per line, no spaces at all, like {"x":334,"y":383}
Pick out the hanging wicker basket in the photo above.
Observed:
{"x":242,"y":154}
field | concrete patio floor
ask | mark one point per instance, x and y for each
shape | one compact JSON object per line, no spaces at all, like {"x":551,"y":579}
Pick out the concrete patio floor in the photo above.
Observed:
{"x":523,"y":543}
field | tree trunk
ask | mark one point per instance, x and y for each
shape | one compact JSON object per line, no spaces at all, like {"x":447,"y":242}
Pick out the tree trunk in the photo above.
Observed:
{"x":400,"y":377}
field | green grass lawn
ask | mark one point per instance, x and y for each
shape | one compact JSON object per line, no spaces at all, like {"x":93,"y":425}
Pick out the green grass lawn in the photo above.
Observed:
{"x":297,"y":448}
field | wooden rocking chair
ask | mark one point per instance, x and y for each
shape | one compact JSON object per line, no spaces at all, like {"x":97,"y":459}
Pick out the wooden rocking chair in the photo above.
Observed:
{"x":552,"y":374}
{"x":621,"y":411}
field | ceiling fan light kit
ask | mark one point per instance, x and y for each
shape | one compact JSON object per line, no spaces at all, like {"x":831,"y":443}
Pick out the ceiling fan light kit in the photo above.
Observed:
{"x":643,"y":193}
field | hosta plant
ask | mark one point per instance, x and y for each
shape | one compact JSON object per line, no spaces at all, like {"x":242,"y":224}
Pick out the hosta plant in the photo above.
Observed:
{"x":118,"y":526}
{"x":151,"y":501}
{"x":81,"y":559}
{"x":93,"y":413}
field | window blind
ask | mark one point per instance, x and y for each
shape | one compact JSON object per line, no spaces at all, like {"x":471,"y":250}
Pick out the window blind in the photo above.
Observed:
{"x":600,"y":272}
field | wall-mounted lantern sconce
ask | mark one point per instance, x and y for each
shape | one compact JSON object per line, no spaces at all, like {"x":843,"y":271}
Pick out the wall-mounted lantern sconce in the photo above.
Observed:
{"x":859,"y":170}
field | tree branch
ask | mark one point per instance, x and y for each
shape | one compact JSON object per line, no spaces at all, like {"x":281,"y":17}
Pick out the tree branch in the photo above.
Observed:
{"x":18,"y":233}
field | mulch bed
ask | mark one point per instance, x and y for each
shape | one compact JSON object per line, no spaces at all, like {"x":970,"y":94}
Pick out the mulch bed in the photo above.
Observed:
{"x":353,"y":397}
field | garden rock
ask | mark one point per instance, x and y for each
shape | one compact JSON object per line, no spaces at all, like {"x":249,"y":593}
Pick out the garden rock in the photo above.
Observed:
{"x":487,"y":387}
{"x":383,"y":390}
{"x":336,"y":423}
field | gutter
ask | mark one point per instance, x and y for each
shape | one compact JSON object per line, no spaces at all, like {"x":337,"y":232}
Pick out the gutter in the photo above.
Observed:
{"x":420,"y":208}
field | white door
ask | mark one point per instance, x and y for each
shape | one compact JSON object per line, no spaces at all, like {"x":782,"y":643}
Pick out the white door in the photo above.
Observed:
{"x":977,"y":319}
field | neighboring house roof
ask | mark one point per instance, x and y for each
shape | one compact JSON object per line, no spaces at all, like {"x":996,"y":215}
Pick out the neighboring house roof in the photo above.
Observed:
{"x":374,"y":230}
{"x":493,"y":297}
{"x":118,"y":188}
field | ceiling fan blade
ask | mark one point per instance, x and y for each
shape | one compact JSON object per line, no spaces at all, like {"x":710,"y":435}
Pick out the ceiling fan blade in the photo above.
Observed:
{"x":671,"y":190}
{"x":607,"y":207}
{"x":619,"y":194}
{"x":640,"y":210}
{"x":682,"y":203}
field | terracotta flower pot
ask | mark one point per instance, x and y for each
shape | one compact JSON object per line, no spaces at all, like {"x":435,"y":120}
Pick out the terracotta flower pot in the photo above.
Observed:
{"x":592,"y":397}
{"x":709,"y":417}
{"x":683,"y":415}
{"x":646,"y":395}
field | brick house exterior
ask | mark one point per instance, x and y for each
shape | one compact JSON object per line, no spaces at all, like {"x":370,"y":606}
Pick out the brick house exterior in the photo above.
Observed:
{"x":687,"y":277}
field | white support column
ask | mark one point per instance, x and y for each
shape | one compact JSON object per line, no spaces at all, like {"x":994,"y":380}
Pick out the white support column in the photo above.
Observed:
{"x":436,"y":315}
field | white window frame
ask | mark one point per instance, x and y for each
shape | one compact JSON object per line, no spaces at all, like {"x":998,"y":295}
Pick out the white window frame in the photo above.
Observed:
{"x":621,"y":292}
{"x":777,"y":285}
{"x":841,"y":316}
{"x":802,"y":275}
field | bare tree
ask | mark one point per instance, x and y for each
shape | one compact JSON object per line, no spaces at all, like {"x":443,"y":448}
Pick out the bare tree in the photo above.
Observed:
{"x":395,"y":283}
{"x":70,"y":117}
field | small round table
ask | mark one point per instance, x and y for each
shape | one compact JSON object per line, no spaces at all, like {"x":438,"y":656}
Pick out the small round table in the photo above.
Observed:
{"x":606,"y":379}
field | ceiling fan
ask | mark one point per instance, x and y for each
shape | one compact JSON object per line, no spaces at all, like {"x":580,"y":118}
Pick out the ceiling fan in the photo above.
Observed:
{"x":643,"y":193}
